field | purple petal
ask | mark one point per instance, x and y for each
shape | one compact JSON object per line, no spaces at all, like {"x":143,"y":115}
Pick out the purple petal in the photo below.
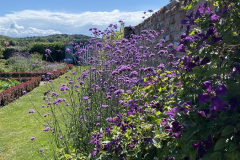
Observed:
{"x":185,"y":22}
{"x":205,"y":61}
{"x":204,"y":114}
{"x":217,"y":103}
{"x":221,"y":90}
{"x":233,"y":103}
{"x":201,"y":151}
{"x":195,"y":146}
{"x":191,"y":65}
{"x":167,"y":128}
{"x":208,"y":86}
{"x":181,"y":48}
{"x":177,"y":134}
{"x":203,"y":97}
{"x":169,"y":113}
{"x":214,"y":18}
{"x":94,"y":153}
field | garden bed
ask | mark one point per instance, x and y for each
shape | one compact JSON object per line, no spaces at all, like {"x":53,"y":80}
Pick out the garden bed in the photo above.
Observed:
{"x":52,"y":74}
{"x":15,"y":92}
{"x":7,"y":83}
{"x":30,"y":81}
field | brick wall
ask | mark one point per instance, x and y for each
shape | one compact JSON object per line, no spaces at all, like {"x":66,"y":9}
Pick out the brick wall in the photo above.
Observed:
{"x":168,"y":19}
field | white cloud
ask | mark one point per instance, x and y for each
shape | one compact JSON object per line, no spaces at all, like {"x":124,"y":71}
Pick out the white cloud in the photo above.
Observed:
{"x":33,"y":23}
{"x":14,"y":25}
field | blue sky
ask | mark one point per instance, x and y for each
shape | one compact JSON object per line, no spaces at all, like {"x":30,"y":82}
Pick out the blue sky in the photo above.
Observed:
{"x":21,"y":18}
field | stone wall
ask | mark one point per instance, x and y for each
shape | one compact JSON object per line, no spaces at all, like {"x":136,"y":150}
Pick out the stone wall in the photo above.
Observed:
{"x":168,"y":19}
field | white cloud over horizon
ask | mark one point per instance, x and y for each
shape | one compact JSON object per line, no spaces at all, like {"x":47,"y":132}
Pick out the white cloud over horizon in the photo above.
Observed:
{"x":41,"y":23}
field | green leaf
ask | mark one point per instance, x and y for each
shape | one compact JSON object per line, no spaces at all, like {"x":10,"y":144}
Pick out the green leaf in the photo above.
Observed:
{"x":156,"y":143}
{"x":157,"y":121}
{"x":221,"y":143}
{"x":216,"y":155}
{"x":238,"y":126}
{"x":228,"y":130}
{"x":105,"y":142}
{"x":232,"y":147}
{"x":190,"y":132}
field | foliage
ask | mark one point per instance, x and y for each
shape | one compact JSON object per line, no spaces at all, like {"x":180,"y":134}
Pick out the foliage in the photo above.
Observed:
{"x":57,"y":48}
{"x":2,"y":65}
{"x":195,"y":113}
{"x":8,"y":83}
{"x":46,"y":39}
{"x":24,"y":62}
{"x":131,"y":106}
{"x":116,"y":66}
{"x":9,"y":45}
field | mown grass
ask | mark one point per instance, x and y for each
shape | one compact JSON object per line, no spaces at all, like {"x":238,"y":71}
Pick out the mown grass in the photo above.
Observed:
{"x":17,"y":126}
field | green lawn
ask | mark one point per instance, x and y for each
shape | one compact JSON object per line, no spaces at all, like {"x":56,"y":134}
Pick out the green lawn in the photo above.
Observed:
{"x":17,"y":126}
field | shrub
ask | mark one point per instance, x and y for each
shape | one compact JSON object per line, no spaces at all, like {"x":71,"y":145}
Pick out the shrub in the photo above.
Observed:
{"x":57,"y":48}
{"x":131,"y":107}
{"x":192,"y":111}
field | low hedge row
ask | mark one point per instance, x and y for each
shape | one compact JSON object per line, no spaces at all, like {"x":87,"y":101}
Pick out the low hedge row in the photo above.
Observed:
{"x":15,"y":92}
{"x":57,"y":73}
{"x":36,"y":74}
{"x":30,"y":81}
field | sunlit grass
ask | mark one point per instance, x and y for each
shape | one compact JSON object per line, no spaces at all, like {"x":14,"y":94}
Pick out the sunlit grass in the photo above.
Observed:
{"x":17,"y":126}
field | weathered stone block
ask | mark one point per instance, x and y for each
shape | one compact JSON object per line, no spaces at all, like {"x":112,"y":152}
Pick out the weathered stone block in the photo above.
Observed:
{"x":161,"y":17}
{"x":167,"y":13}
{"x":166,"y":30}
{"x":172,"y":20}
{"x":176,"y":37}
{"x":175,"y":45}
{"x":167,"y":38}
{"x":174,"y":10}
{"x":182,"y":15}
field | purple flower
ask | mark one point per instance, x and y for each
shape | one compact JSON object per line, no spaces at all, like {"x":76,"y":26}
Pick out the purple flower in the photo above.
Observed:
{"x":206,"y":113}
{"x":67,"y":50}
{"x":214,"y":18}
{"x":104,"y":106}
{"x":98,"y":124}
{"x":32,"y":138}
{"x":85,"y":98}
{"x":181,"y":48}
{"x":217,"y":103}
{"x":46,"y":129}
{"x":48,"y":51}
{"x":211,"y":31}
{"x":133,"y":74}
{"x":24,"y":92}
{"x":41,"y":150}
{"x":61,"y":137}
{"x":31,"y":111}
{"x":203,"y":145}
{"x":119,"y":92}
